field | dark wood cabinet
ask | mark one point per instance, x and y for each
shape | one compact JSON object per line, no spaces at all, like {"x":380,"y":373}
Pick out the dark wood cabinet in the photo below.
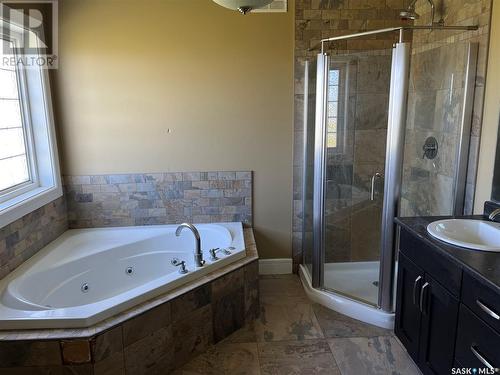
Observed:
{"x":438,"y":325}
{"x":440,"y":316}
{"x":408,"y":316}
{"x":426,"y":318}
{"x":478,"y":345}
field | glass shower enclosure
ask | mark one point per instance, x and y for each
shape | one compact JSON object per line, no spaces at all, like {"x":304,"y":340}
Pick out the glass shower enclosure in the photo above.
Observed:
{"x":357,"y":165}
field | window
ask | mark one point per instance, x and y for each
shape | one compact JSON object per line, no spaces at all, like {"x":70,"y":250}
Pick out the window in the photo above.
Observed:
{"x":15,"y":166}
{"x":29,"y":168}
{"x":333,"y":108}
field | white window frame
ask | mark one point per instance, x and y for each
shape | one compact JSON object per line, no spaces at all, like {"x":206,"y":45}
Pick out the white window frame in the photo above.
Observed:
{"x":343,"y":67}
{"x":41,"y":144}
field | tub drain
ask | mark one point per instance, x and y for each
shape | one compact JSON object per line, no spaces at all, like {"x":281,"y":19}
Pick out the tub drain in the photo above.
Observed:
{"x":85,"y":288}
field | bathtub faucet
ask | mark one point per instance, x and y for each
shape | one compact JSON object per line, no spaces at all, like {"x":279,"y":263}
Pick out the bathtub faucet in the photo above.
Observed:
{"x":198,"y":255}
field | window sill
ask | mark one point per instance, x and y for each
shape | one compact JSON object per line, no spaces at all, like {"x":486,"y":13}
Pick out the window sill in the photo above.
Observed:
{"x":28,"y":202}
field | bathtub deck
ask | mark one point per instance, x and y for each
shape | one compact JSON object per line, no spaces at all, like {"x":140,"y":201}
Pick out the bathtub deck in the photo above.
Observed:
{"x":83,"y":333}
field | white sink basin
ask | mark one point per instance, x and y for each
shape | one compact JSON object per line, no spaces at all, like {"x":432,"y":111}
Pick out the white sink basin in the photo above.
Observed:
{"x":472,"y":234}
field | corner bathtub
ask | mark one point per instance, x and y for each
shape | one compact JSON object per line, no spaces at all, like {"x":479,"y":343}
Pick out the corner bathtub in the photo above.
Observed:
{"x":88,"y":275}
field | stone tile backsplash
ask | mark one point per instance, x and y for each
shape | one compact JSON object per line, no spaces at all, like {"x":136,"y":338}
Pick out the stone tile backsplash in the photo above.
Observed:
{"x":158,"y":198}
{"x":126,"y":200}
{"x":24,"y":237}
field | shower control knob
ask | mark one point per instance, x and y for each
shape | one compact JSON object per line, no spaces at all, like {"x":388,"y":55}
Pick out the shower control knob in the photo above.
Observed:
{"x":430,"y":148}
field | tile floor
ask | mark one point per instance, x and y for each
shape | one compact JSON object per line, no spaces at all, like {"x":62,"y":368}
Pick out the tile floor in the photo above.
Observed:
{"x":296,"y":336}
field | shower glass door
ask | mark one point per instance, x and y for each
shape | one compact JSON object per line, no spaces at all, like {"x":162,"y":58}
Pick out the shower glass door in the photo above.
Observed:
{"x":357,"y":101}
{"x":440,"y":103}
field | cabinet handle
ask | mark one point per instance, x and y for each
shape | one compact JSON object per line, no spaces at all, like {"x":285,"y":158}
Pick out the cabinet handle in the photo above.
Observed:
{"x":415,"y":290}
{"x":422,"y":297}
{"x":483,"y":360}
{"x":487,"y":310}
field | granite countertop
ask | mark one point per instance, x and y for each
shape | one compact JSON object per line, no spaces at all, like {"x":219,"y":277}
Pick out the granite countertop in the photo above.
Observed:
{"x":485,"y":265}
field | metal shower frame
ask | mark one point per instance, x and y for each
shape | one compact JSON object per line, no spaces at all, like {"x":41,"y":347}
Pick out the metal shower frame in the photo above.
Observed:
{"x":400,"y":29}
{"x":394,"y":153}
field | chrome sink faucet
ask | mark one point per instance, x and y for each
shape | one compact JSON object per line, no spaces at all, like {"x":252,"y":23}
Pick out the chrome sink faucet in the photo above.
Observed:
{"x":198,"y":255}
{"x":494,"y":214}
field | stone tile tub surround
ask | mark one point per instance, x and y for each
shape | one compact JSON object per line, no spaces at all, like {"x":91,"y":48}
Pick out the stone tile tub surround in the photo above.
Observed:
{"x":121,"y":267}
{"x":152,"y":338}
{"x":24,"y":237}
{"x":159,"y":198}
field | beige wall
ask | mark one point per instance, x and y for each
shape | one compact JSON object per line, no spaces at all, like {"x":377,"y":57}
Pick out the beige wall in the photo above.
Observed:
{"x":491,"y":116}
{"x":178,"y":85}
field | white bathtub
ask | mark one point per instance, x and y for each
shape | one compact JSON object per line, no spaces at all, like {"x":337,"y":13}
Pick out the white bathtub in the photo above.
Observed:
{"x":88,"y":275}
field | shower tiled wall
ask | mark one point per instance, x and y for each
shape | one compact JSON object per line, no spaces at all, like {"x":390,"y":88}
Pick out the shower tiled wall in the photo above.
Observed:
{"x":24,"y":237}
{"x":430,"y":50}
{"x":435,"y":105}
{"x":314,"y":20}
{"x":162,"y":198}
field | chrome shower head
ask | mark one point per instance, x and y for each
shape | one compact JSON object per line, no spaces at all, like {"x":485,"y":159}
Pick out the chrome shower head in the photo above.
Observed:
{"x":409,"y":14}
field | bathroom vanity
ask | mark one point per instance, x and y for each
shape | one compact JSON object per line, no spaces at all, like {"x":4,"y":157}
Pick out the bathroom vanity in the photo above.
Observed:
{"x":447,"y":302}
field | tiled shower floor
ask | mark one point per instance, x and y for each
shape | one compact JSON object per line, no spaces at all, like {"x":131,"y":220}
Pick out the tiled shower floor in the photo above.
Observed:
{"x":295,"y":336}
{"x":355,"y":279}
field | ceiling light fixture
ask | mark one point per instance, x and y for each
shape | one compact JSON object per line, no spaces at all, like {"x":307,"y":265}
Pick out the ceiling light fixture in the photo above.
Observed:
{"x":243,"y":6}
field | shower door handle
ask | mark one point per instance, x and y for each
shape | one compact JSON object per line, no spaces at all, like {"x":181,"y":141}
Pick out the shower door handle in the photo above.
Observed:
{"x":372,"y":191}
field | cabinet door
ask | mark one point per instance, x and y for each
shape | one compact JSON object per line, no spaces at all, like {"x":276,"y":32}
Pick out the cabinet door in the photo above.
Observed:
{"x":438,"y":328}
{"x":407,"y":324}
{"x":478,"y":344}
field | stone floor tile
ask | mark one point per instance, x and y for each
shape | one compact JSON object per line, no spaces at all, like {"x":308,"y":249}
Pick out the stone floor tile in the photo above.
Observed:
{"x":304,"y":357}
{"x":282,"y":300}
{"x":335,"y":324}
{"x":243,"y":335}
{"x":224,"y":359}
{"x":371,"y":356}
{"x":283,"y":286}
{"x":280,"y":322}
